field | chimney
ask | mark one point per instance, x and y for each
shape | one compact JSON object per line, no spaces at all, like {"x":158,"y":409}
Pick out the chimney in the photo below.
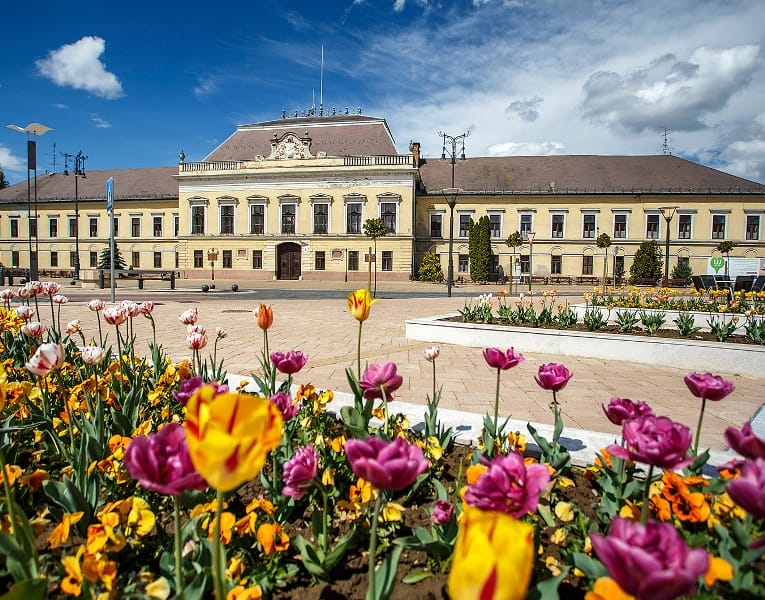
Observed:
{"x":414,"y":148}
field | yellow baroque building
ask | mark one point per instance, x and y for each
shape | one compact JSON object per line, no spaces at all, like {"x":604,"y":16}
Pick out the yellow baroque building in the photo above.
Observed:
{"x":289,"y":198}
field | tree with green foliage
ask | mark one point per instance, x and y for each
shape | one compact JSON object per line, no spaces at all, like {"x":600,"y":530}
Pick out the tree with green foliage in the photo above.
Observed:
{"x":105,"y":258}
{"x":603,"y":242}
{"x":3,"y":181}
{"x":513,"y":241}
{"x":725,"y":247}
{"x":373,"y":229}
{"x":648,"y":261}
{"x":682,"y":270}
{"x":479,"y":249}
{"x":430,"y":268}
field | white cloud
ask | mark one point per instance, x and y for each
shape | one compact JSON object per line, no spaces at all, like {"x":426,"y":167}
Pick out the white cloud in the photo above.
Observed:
{"x":526,"y":108}
{"x":10,"y":162}
{"x":526,"y":149}
{"x":78,"y":65}
{"x":100,"y":122}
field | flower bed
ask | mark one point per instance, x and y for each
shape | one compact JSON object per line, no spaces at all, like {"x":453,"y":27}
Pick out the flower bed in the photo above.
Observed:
{"x":128,"y":477}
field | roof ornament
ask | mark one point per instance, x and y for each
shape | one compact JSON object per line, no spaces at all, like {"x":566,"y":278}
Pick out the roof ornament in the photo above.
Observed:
{"x":181,"y":157}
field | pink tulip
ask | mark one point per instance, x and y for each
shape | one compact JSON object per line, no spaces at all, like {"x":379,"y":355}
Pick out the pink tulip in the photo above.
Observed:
{"x":745,"y":442}
{"x":432,"y":353}
{"x":146,"y":308}
{"x":502,"y":360}
{"x":33,"y":329}
{"x":47,"y":358}
{"x":92,"y":355}
{"x":195,"y":328}
{"x":188,"y":387}
{"x":386,"y":465}
{"x":196,"y":340}
{"x":285,"y":405}
{"x":96,"y":305}
{"x":8,"y":294}
{"x":620,"y":410}
{"x":380,"y":381}
{"x":657,"y":441}
{"x":115,"y":315}
{"x":509,"y":486}
{"x":25,"y":312}
{"x":748,"y":490}
{"x":443,"y":512}
{"x":59,"y":299}
{"x":708,"y":386}
{"x":651,"y":561}
{"x":553,"y":377}
{"x":300,"y":471}
{"x":289,"y":362}
{"x":49,"y":288}
{"x":131,"y":308}
{"x":189,"y":317}
{"x":160,"y":462}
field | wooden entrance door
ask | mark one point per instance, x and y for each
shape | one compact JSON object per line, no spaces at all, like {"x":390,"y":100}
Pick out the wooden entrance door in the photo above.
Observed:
{"x":289,"y":255}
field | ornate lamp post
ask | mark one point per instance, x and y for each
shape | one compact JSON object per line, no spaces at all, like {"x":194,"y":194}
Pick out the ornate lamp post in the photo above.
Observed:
{"x":668,"y":212}
{"x":530,"y":237}
{"x":35,"y":129}
{"x":79,"y":171}
{"x":450,"y":194}
{"x":212,"y":256}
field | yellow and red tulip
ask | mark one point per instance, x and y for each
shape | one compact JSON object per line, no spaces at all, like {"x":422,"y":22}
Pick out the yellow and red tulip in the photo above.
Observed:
{"x":359,"y":303}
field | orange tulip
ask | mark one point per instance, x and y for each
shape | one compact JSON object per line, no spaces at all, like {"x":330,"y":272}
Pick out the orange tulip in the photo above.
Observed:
{"x":359,"y":303}
{"x":229,"y":435}
{"x":265,"y":316}
{"x":493,"y":557}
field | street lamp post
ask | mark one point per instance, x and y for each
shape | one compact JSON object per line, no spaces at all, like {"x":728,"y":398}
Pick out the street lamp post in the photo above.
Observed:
{"x":35,"y":129}
{"x":79,"y":171}
{"x":530,"y":237}
{"x":212,"y":255}
{"x":668,"y":212}
{"x":450,"y":194}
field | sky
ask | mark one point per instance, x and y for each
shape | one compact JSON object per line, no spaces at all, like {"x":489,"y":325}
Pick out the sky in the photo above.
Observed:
{"x":132,"y":84}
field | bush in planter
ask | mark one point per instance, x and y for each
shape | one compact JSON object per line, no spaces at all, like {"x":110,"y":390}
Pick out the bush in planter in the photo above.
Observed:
{"x":430,"y":268}
{"x":648,"y":261}
{"x":682,"y":270}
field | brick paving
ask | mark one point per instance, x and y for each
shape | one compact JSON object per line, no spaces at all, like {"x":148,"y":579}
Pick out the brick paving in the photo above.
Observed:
{"x":326,"y":331}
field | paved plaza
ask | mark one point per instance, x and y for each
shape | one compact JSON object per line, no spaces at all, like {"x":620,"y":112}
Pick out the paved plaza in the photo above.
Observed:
{"x":313,"y":317}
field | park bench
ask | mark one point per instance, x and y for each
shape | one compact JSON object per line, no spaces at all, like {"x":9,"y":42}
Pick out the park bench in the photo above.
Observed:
{"x":560,"y":279}
{"x":592,"y":280}
{"x":140,"y":274}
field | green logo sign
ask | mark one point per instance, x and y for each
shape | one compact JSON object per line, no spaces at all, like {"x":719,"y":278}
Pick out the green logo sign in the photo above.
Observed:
{"x":717,"y":263}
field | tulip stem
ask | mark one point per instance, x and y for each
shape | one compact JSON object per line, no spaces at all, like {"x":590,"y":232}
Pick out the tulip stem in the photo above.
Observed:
{"x":698,"y":427}
{"x":358,"y":352}
{"x":646,"y":493}
{"x":373,"y":546}
{"x":178,"y":553}
{"x":496,"y":407}
{"x":324,"y":518}
{"x":219,"y":559}
{"x":434,"y":381}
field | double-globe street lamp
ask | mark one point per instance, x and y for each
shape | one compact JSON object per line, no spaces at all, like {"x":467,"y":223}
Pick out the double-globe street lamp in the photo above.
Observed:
{"x":668,"y":212}
{"x":79,"y":171}
{"x":450,"y":194}
{"x":35,"y":129}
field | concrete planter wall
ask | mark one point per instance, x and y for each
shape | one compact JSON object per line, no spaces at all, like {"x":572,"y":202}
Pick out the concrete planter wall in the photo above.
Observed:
{"x":686,"y":354}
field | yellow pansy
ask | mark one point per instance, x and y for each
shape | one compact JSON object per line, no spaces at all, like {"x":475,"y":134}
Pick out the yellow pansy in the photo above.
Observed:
{"x":564,"y":511}
{"x":60,"y":533}
{"x":719,"y":570}
{"x":391,"y":512}
{"x":140,"y":519}
{"x":159,"y":588}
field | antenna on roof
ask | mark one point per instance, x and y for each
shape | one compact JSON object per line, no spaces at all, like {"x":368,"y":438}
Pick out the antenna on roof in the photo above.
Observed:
{"x":667,"y":151}
{"x":321,"y":80}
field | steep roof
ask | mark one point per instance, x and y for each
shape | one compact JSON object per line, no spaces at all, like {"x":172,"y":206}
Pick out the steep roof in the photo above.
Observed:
{"x":150,"y":183}
{"x":581,"y":174}
{"x":337,"y":135}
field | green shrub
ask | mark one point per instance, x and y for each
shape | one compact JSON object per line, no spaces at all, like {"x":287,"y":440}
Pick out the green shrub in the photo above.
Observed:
{"x":430,"y":268}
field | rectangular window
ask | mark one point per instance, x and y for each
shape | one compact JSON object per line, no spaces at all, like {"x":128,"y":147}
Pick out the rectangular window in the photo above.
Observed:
{"x":556,"y":261}
{"x":463,"y":263}
{"x":558,"y":222}
{"x":288,"y":218}
{"x":53,"y":227}
{"x":718,"y":227}
{"x":525,"y":263}
{"x":93,"y":259}
{"x":176,"y":225}
{"x":588,"y":226}
{"x":116,"y":225}
{"x":353,"y":260}
{"x":320,"y":218}
{"x":620,"y":226}
{"x":353,"y":218}
{"x":257,"y":219}
{"x":53,"y":258}
{"x":198,"y":259}
{"x":227,"y":259}
{"x":197,"y":220}
{"x":33,"y":226}
{"x":619,"y":267}
{"x":14,"y":258}
{"x":387,"y":260}
{"x":652,"y":227}
{"x":526,"y":221}
{"x":177,"y":260}
{"x":435,"y":225}
{"x":753,"y":227}
{"x":684,"y":226}
{"x":257,"y":259}
{"x":135,"y":260}
{"x":135,"y":227}
{"x":156,"y":226}
{"x":587,"y":264}
{"x":72,"y":227}
{"x":464,"y":225}
{"x":14,"y":225}
{"x":227,"y":219}
{"x":388,"y":216}
{"x":93,"y":226}
{"x":319,"y":262}
{"x":72,"y":258}
{"x":157,"y":260}
{"x":495,"y":225}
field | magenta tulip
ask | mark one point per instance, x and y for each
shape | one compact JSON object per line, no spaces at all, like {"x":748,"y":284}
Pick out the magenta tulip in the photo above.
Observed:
{"x":656,"y":441}
{"x":553,"y":377}
{"x":386,"y":465}
{"x":745,"y":442}
{"x":300,"y":471}
{"x":509,"y":486}
{"x":380,"y":381}
{"x":708,"y":386}
{"x":748,"y":490}
{"x":192,"y":384}
{"x":286,"y":406}
{"x":160,"y":462}
{"x":651,"y":561}
{"x":289,"y":362}
{"x":502,"y":360}
{"x":620,"y":410}
{"x":443,"y":512}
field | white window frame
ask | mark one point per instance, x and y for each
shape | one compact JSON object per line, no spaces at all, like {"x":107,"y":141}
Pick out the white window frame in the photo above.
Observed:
{"x":195,"y":203}
{"x":501,"y":214}
{"x":522,"y":229}
{"x":677,"y":226}
{"x":321,"y":199}
{"x":440,"y":213}
{"x":594,"y":214}
{"x":657,"y":216}
{"x":724,"y":216}
{"x":347,"y":201}
{"x":395,"y":200}
{"x":758,"y":216}
{"x":257,"y":201}
{"x":553,"y":214}
{"x":289,"y":201}
{"x":626,"y":215}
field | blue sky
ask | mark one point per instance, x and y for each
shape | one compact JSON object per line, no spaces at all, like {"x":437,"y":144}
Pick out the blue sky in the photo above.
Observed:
{"x":131,"y":84}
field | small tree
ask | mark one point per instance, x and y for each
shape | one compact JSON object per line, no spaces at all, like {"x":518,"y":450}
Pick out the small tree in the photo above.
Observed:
{"x":725,"y":247}
{"x":513,"y":241}
{"x":682,"y":270}
{"x":430,"y":268}
{"x":648,"y":261}
{"x":479,"y":249}
{"x":373,"y":229}
{"x":105,"y":258}
{"x":3,"y":181}
{"x":603,"y":242}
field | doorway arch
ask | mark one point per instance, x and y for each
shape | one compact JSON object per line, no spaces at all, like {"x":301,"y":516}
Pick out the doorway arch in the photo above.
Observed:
{"x":288,"y":257}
